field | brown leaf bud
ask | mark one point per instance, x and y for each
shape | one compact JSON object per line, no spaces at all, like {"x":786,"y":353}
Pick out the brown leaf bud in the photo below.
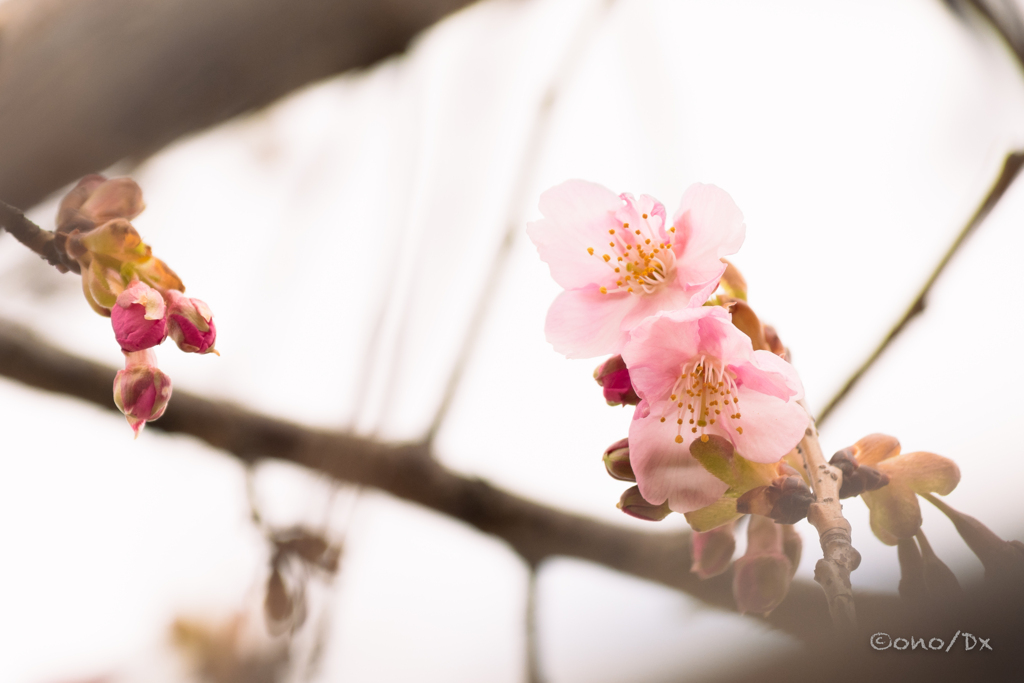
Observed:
{"x":786,"y":500}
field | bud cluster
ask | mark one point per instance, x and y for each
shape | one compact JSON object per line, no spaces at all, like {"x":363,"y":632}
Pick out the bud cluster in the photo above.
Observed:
{"x":122,"y":280}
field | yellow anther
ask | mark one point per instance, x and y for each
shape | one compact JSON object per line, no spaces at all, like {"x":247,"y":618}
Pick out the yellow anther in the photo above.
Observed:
{"x":606,"y":258}
{"x":590,"y":250}
{"x":604,"y":290}
{"x":679,"y":439}
{"x":704,"y":438}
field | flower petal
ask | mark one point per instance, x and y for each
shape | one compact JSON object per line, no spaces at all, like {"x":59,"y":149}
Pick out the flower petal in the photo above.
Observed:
{"x":708,"y":226}
{"x":771,"y":426}
{"x":665,"y":470}
{"x":577,"y":217}
{"x":583,"y":323}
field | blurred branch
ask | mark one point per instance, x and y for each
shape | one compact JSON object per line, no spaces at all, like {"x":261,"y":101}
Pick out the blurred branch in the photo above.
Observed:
{"x":86,"y":83}
{"x":1011,"y":168}
{"x":534,"y":531}
{"x":1004,"y":16}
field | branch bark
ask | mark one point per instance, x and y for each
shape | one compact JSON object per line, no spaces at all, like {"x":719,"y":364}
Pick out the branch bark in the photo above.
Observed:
{"x":86,"y":83}
{"x":534,"y":531}
{"x":839,"y":557}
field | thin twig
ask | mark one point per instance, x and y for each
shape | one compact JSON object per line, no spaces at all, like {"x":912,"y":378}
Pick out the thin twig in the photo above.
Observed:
{"x":1011,"y":167}
{"x":31,"y":235}
{"x":839,"y":557}
{"x":517,"y":222}
{"x":532,"y":530}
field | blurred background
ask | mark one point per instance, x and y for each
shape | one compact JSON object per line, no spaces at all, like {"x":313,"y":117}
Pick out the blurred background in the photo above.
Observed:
{"x":346,"y":234}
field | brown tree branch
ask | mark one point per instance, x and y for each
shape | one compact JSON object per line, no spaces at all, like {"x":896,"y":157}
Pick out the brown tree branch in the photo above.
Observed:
{"x":536,"y":532}
{"x":1011,"y":168}
{"x":31,"y":235}
{"x":839,"y":557}
{"x":86,"y":83}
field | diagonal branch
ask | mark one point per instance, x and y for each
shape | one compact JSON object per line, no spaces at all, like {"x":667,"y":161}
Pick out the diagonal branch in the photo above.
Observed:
{"x":534,"y":531}
{"x":1011,"y":168}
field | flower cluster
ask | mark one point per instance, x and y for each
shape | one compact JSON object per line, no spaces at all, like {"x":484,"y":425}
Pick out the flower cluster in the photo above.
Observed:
{"x":636,"y":285}
{"x":717,"y":406}
{"x":122,"y":280}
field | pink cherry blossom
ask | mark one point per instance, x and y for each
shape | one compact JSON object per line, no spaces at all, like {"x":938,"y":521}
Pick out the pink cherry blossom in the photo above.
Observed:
{"x":698,"y":375}
{"x":619,"y":262}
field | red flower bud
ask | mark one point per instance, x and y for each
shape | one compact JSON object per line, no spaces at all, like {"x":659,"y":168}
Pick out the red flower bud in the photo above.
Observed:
{"x":613,"y":377}
{"x":190,"y":323}
{"x":141,"y":390}
{"x":138,"y":318}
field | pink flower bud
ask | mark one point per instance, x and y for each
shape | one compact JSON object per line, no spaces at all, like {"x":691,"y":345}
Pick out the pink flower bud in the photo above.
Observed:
{"x":190,"y":323}
{"x":713,"y":550}
{"x":762,"y":576}
{"x":138,"y":318}
{"x":613,"y":377}
{"x":141,"y":390}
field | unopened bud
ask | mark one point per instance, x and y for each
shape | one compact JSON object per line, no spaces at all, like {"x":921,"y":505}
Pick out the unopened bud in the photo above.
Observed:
{"x":733,"y":282}
{"x":101,"y":286}
{"x":1003,"y":560}
{"x":613,"y":376}
{"x":141,"y":390}
{"x":744,"y":318}
{"x":138,"y":318}
{"x":761,"y":578}
{"x":939,"y":579}
{"x":190,"y":323}
{"x":792,"y":546}
{"x":857,"y":478}
{"x":96,"y":200}
{"x":912,"y":586}
{"x":616,"y":461}
{"x":713,"y":550}
{"x":116,"y":241}
{"x":634,"y":505}
{"x":774,"y":343}
{"x":786,"y":500}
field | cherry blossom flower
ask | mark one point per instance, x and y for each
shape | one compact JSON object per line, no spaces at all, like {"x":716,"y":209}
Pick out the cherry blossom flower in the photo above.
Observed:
{"x":620,"y":263}
{"x":697,"y":375}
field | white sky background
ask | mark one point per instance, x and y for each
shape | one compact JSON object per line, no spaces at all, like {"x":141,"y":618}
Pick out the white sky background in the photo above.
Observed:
{"x":857,"y":137}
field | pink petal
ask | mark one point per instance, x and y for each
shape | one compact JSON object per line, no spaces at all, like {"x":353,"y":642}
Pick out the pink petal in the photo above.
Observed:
{"x":771,"y":426}
{"x":577,"y":216}
{"x":665,"y":470}
{"x":768,"y":374}
{"x":583,"y":323}
{"x":659,"y":346}
{"x":709,"y":226}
